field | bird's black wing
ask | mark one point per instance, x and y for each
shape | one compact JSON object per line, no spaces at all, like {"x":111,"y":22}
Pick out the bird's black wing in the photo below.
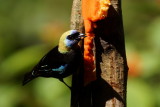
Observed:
{"x":55,"y":64}
{"x":53,"y":59}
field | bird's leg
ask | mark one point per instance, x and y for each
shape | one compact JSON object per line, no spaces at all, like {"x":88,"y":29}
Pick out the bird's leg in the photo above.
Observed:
{"x":61,"y":79}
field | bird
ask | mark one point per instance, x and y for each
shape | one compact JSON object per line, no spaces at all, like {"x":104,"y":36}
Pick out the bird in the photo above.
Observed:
{"x":60,"y":62}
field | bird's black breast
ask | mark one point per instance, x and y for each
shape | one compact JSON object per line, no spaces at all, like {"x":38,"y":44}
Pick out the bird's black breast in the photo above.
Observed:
{"x":58,"y":65}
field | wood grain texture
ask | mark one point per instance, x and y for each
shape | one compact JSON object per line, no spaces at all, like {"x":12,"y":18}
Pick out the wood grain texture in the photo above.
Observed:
{"x":109,"y":90}
{"x":76,"y":16}
{"x":77,"y":77}
{"x":111,"y":57}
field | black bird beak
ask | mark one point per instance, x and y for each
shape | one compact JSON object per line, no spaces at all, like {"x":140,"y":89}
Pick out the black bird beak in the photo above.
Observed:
{"x":82,"y":36}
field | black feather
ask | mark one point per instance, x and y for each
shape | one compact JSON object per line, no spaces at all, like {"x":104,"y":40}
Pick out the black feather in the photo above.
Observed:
{"x":48,"y":65}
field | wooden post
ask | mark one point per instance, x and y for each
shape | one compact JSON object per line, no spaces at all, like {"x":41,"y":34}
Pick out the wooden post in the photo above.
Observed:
{"x":77,"y":78}
{"x":109,"y":90}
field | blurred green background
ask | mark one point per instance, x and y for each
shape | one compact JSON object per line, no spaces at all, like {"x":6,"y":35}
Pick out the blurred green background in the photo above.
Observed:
{"x":29,"y":28}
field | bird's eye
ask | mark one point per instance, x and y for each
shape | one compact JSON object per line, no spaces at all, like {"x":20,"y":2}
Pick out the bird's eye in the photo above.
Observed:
{"x":70,"y":37}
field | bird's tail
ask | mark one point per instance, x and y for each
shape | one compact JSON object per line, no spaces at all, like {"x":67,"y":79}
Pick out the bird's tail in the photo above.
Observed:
{"x":28,"y":77}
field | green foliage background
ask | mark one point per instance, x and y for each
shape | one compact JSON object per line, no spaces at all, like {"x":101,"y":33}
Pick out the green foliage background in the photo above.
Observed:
{"x":29,"y":28}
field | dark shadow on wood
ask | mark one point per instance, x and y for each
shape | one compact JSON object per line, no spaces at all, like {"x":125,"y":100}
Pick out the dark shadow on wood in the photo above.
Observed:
{"x":103,"y":92}
{"x":111,"y":31}
{"x":97,"y":93}
{"x":77,"y":87}
{"x":109,"y":36}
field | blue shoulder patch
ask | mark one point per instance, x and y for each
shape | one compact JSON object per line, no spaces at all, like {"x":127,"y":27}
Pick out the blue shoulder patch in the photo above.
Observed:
{"x":61,"y":69}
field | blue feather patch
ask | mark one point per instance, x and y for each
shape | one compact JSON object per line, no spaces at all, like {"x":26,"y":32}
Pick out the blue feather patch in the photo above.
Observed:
{"x":69,"y":43}
{"x":73,"y":31}
{"x":61,"y":69}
